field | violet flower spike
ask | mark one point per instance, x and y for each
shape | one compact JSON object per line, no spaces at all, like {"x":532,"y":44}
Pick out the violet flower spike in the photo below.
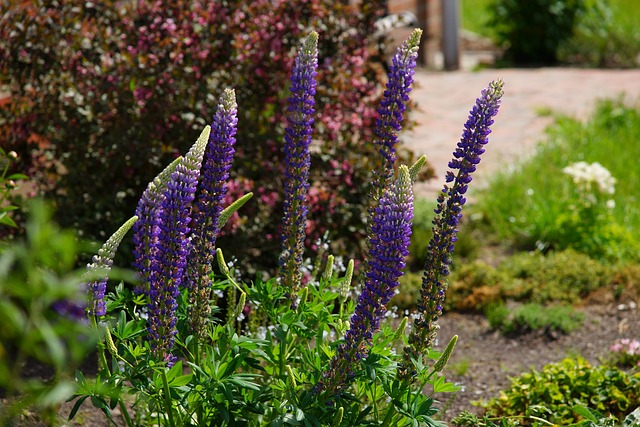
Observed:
{"x":171,"y":250}
{"x":393,"y":106}
{"x":145,"y":230}
{"x":389,"y":247}
{"x":298,"y":133}
{"x":390,"y":118}
{"x":210,"y":198}
{"x":448,"y":214}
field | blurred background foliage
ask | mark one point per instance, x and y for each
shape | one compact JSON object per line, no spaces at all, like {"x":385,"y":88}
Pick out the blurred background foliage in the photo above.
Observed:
{"x":589,"y":33}
{"x":104,"y":94}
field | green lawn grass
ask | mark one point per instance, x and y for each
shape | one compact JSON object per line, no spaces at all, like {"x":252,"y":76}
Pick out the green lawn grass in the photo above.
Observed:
{"x":525,"y":206}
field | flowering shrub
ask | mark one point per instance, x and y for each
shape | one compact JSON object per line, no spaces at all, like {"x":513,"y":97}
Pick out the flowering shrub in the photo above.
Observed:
{"x":106,"y":89}
{"x":626,"y":352}
{"x":294,"y":349}
{"x":587,"y":224}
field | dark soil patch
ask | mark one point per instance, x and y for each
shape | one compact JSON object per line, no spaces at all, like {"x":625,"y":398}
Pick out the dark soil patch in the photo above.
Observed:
{"x":484,"y":360}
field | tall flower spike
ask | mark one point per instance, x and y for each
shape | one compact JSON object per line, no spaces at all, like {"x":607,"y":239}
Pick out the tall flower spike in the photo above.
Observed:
{"x":298,"y":134}
{"x":448,"y":214}
{"x":211,"y":192}
{"x":390,"y":118}
{"x":392,"y":109}
{"x":389,"y":246}
{"x":169,"y":256}
{"x":145,"y":230}
{"x":101,"y":264}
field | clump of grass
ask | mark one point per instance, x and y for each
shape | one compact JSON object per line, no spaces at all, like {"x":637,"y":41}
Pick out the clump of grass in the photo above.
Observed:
{"x":533,"y":317}
{"x":529,"y":205}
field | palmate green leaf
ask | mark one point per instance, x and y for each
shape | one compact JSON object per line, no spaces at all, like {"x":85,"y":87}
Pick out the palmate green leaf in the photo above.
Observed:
{"x":244,"y":381}
{"x":440,"y":385}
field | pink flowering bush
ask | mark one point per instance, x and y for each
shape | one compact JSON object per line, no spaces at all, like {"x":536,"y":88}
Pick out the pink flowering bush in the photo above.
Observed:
{"x":104,"y":93}
{"x":626,"y":352}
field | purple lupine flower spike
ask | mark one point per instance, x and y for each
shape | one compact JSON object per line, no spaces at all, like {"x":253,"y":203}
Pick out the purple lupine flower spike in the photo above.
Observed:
{"x":298,"y":134}
{"x":448,"y":214}
{"x":392,"y":108}
{"x":391,"y":234}
{"x":169,"y":254}
{"x":145,"y":230}
{"x":100,"y":265}
{"x":389,"y":122}
{"x":211,"y":192}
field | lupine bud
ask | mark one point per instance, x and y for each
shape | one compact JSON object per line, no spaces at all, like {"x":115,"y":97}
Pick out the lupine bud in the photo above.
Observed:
{"x":240,"y":306}
{"x":345,"y":287}
{"x":304,"y":294}
{"x":400,"y":331}
{"x":328,"y":271}
{"x":337,"y":419}
{"x":292,"y":377}
{"x":446,"y":355}
{"x":414,"y":170}
{"x":222,"y":264}
{"x":232,"y":208}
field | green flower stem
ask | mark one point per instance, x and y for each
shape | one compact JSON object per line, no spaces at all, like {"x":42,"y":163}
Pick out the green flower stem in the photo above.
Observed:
{"x":167,"y":398}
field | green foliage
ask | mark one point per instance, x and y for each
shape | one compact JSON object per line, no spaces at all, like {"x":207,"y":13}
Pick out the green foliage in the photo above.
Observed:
{"x":602,"y":36}
{"x":531,"y":317}
{"x":530,"y":205}
{"x":561,"y":277}
{"x":533,"y":30}
{"x":564,"y":393}
{"x":35,"y":273}
{"x":256,"y":374}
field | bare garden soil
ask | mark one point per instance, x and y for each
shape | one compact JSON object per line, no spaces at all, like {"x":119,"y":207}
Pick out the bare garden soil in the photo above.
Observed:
{"x":484,"y":359}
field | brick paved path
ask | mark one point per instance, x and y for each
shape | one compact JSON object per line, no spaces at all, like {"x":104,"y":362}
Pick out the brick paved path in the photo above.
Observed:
{"x":445,"y":98}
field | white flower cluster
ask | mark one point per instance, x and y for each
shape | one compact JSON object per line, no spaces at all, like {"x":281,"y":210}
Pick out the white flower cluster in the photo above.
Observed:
{"x":591,"y":177}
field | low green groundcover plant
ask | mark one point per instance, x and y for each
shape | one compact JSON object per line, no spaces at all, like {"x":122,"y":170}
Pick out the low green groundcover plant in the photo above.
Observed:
{"x":557,"y":277}
{"x":567,"y":392}
{"x":191,"y":344}
{"x":533,"y":318}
